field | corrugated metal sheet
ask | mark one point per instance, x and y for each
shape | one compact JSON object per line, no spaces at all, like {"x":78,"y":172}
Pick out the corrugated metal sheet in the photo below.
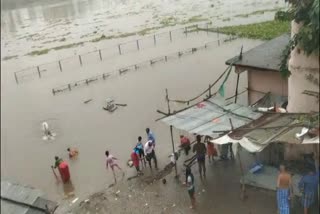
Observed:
{"x":22,"y":194}
{"x":212,"y":115}
{"x":266,"y":56}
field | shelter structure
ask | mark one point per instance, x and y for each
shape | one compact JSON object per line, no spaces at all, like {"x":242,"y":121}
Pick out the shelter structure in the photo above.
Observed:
{"x":262,"y":66}
{"x":18,"y":199}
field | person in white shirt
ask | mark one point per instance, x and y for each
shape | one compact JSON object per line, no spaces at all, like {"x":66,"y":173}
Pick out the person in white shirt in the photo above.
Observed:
{"x":150,"y":154}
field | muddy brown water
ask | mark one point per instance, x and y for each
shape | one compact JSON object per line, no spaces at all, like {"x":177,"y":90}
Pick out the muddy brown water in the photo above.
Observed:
{"x":26,"y":158}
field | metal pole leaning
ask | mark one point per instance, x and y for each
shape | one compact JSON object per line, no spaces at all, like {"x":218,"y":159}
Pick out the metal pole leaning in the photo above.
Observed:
{"x":154,"y":39}
{"x":39,"y":71}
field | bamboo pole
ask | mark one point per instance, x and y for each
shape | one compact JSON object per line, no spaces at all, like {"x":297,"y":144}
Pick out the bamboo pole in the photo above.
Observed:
{"x":173,"y":152}
{"x":243,"y":186}
{"x":237,"y":87}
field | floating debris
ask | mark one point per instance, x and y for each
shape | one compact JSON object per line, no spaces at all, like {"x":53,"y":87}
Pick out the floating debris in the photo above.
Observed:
{"x":87,"y":101}
{"x":75,"y":200}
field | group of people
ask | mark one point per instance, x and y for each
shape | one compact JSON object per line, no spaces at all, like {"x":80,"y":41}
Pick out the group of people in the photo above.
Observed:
{"x":308,"y":185}
{"x":141,"y":153}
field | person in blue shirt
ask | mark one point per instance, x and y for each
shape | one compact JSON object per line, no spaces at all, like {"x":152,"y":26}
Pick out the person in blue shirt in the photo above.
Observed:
{"x":309,"y":187}
{"x":140,"y":149}
{"x":151,"y":137}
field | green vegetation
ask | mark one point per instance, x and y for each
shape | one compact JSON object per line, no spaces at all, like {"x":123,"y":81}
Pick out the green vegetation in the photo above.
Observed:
{"x":265,"y":30}
{"x":45,"y":51}
{"x":226,"y":19}
{"x":196,"y":19}
{"x":168,"y":21}
{"x":257,"y":12}
{"x":307,"y":13}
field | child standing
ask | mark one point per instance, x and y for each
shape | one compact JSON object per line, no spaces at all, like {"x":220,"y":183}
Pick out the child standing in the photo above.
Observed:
{"x":135,"y":160}
{"x":111,"y":161}
{"x":212,"y":152}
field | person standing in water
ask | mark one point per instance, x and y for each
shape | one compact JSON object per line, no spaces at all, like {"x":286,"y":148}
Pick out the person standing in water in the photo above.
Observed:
{"x":284,"y":191}
{"x":309,"y":186}
{"x":111,"y":161}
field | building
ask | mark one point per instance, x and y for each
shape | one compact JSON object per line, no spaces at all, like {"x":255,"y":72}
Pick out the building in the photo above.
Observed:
{"x":18,"y":199}
{"x":262,"y":66}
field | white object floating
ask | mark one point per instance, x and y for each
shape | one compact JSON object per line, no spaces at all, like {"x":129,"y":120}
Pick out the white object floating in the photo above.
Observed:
{"x":203,"y":190}
{"x":146,"y":204}
{"x":116,"y":199}
{"x":118,"y":192}
{"x":87,"y":200}
{"x":75,"y":200}
{"x":173,"y":205}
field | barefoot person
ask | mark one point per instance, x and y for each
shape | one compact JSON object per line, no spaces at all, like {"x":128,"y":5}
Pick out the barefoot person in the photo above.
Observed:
{"x":151,"y":137}
{"x":135,"y":160}
{"x":284,"y":191}
{"x":190,"y":185}
{"x":140,"y":149}
{"x":201,"y":151}
{"x":150,"y":154}
{"x":185,"y":144}
{"x":111,"y":161}
{"x":308,"y":186}
{"x":72,"y":152}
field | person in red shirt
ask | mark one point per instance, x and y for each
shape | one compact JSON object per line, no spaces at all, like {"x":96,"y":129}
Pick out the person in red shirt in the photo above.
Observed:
{"x":185,"y":144}
{"x":135,"y":159}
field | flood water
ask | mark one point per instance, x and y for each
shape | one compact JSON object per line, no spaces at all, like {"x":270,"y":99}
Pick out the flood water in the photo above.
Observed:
{"x":26,"y":158}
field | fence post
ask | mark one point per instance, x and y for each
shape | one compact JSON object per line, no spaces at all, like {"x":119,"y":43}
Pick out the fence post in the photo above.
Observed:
{"x":100,"y":55}
{"x":165,"y":58}
{"x":207,"y":28}
{"x":80,"y":60}
{"x":185,"y":30}
{"x":119,"y":49}
{"x":60,"y":66}
{"x":154,"y":39}
{"x":15,"y":76}
{"x":218,"y":33}
{"x":103,"y":77}
{"x":39,"y":71}
{"x":218,"y":42}
{"x":170,"y":36}
{"x":138,"y":45}
{"x":69,"y":86}
{"x":87,"y":82}
{"x":210,"y":90}
{"x":135,"y":67}
{"x":53,"y":92}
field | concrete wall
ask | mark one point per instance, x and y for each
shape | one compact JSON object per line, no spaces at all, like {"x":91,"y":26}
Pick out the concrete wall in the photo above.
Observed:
{"x":265,"y":81}
{"x":300,"y":66}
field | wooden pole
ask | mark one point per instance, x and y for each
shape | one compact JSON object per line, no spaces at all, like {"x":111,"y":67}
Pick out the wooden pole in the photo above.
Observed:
{"x":39,"y":72}
{"x":119,"y":48}
{"x":236,"y":94}
{"x":167,"y":99}
{"x":186,"y":32}
{"x":170,"y":36}
{"x":243,"y":186}
{"x":60,"y":66}
{"x":15,"y":76}
{"x":80,"y":60}
{"x":173,"y":152}
{"x":138,"y":47}
{"x":154,"y":39}
{"x":100,"y":55}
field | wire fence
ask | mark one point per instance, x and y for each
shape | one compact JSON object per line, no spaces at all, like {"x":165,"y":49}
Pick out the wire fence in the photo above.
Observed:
{"x":135,"y":67}
{"x":69,"y":63}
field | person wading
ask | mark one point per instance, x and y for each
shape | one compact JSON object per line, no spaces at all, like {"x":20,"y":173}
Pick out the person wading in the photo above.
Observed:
{"x":150,"y":154}
{"x":200,"y":150}
{"x":308,"y":186}
{"x":111,"y":161}
{"x":284,"y":191}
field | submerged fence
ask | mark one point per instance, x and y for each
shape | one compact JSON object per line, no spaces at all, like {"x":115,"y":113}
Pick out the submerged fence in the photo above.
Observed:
{"x":134,"y":67}
{"x":61,"y":65}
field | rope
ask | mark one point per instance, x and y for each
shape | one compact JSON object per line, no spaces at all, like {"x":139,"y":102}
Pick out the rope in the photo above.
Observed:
{"x":228,"y":69}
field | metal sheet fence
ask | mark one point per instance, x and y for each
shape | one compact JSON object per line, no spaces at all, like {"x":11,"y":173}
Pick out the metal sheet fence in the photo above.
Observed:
{"x":135,"y":67}
{"x":44,"y":70}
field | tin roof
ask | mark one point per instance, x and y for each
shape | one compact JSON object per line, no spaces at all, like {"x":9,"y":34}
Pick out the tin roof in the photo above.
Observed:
{"x":266,"y":56}
{"x":211,"y":115}
{"x":18,"y":199}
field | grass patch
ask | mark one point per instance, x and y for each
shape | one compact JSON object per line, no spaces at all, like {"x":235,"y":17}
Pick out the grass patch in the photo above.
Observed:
{"x":264,"y":31}
{"x":67,"y":46}
{"x":226,"y":19}
{"x":38,"y":52}
{"x":168,"y":21}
